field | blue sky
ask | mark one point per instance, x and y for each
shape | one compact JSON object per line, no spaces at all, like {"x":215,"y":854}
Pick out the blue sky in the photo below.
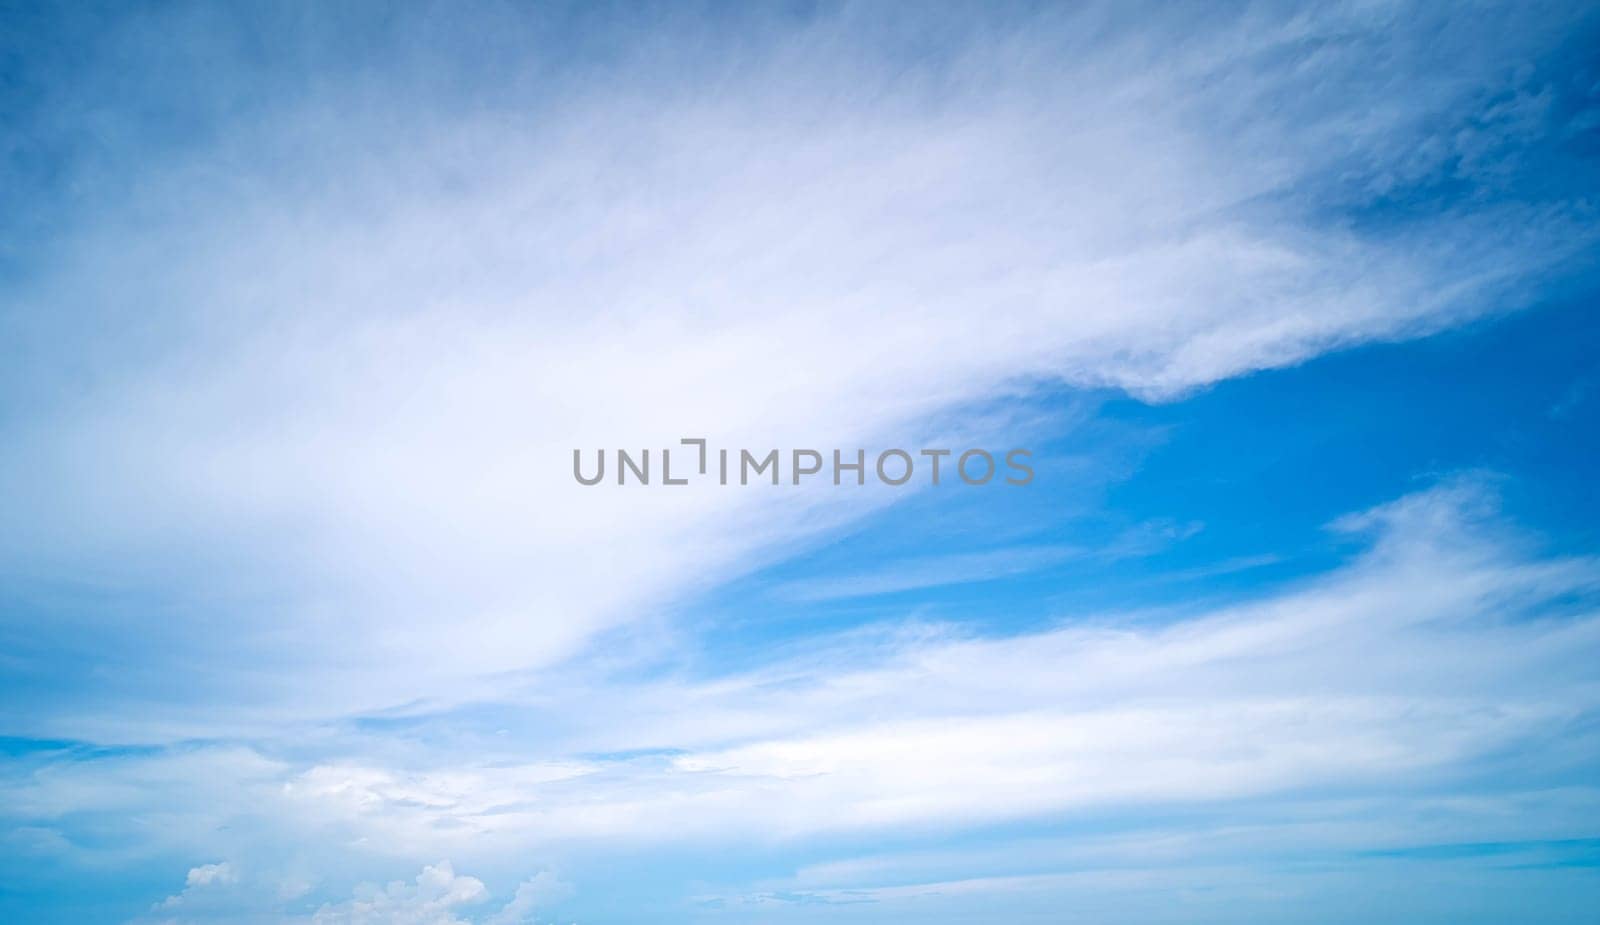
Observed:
{"x":303,"y":618}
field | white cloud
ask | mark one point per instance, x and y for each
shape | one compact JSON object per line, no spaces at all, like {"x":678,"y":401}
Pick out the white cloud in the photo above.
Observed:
{"x":203,"y":877}
{"x":1441,"y":647}
{"x":1432,"y":652}
{"x":540,"y":891}
{"x":436,"y":898}
{"x":1351,"y":711}
{"x":207,"y":874}
{"x":317,"y":467}
{"x":344,"y":418}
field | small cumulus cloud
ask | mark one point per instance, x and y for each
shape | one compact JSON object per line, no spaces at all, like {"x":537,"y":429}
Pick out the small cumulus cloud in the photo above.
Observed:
{"x":207,"y":874}
{"x":435,"y":897}
{"x":438,"y":895}
{"x":539,"y":892}
{"x":204,"y":877}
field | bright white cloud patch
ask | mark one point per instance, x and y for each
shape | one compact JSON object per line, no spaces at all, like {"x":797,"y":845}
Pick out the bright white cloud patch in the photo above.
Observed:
{"x":207,"y":874}
{"x":436,"y":896}
{"x":201,"y":878}
{"x":533,"y":895}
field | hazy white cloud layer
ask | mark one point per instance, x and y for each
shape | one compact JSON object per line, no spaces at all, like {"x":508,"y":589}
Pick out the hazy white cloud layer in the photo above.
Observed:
{"x":1361,"y":711}
{"x":296,"y":585}
{"x":297,"y":393}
